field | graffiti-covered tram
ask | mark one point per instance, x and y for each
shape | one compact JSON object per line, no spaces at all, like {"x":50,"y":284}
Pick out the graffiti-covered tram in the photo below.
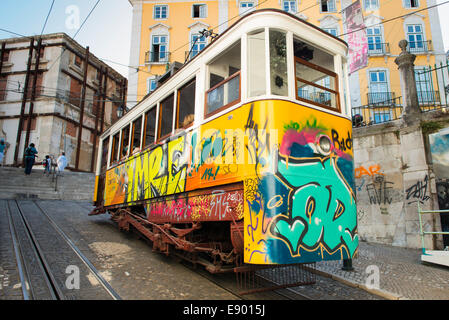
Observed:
{"x":244,"y":155}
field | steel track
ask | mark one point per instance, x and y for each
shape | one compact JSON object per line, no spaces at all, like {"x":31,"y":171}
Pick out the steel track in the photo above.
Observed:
{"x":230,"y":286}
{"x":56,"y":292}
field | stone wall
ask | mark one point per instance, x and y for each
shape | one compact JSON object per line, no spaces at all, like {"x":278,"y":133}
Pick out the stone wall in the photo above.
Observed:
{"x":392,"y":175}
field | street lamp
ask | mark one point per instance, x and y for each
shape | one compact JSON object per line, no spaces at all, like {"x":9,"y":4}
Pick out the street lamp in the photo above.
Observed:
{"x":120,"y":111}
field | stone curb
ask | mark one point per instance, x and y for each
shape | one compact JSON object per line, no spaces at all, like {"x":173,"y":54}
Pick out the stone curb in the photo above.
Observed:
{"x":379,"y":292}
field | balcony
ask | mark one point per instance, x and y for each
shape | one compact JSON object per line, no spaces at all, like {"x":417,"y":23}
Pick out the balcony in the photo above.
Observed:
{"x":380,"y":98}
{"x":379,"y":112}
{"x":378,"y":49}
{"x":428,"y":98}
{"x":157,"y":57}
{"x":419,"y":46}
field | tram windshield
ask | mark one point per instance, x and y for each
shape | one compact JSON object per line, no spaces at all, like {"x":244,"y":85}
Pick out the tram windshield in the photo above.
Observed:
{"x":316,"y":82}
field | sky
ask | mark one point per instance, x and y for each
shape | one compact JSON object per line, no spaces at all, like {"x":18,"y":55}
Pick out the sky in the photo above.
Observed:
{"x":107,"y":31}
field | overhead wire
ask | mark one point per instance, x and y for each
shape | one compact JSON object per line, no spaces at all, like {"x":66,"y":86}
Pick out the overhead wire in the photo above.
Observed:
{"x":48,"y":15}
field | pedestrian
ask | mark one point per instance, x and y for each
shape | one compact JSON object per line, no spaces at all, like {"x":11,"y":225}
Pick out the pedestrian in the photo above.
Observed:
{"x":47,"y":165}
{"x":62,"y":162}
{"x":2,"y":150}
{"x":30,"y":155}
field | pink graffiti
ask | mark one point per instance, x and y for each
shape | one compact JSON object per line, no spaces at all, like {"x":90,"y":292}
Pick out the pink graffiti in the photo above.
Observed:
{"x":306,"y":137}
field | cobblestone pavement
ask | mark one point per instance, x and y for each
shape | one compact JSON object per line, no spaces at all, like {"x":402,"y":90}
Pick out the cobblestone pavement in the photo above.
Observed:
{"x":131,"y":267}
{"x":10,"y":287}
{"x":402,"y":275}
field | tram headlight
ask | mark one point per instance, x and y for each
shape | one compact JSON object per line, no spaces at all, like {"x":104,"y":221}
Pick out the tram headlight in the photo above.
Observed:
{"x":324,"y":145}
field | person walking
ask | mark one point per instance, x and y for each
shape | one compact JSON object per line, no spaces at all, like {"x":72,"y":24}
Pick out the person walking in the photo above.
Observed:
{"x":2,"y":150}
{"x":62,"y":162}
{"x":30,"y":156}
{"x":47,"y":165}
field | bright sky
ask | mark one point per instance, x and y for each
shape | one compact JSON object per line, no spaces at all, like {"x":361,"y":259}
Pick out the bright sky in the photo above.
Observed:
{"x":107,"y":31}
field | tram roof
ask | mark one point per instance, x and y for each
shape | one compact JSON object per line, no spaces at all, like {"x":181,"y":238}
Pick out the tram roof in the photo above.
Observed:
{"x":223,"y":34}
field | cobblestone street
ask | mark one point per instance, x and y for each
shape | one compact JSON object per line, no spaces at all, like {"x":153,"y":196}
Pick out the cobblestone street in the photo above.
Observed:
{"x":130,"y":266}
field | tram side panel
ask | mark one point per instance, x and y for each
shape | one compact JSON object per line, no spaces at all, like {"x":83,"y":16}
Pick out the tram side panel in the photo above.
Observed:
{"x":291,"y":169}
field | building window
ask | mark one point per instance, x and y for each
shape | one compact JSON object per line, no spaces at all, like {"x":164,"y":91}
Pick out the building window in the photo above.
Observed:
{"x":161,"y":12}
{"x":415,"y":37}
{"x":411,"y":3}
{"x":424,"y":87}
{"x":289,"y":6}
{"x":374,"y":36}
{"x":77,"y":61}
{"x":151,"y":84}
{"x":198,"y":44}
{"x":378,"y":87}
{"x":332,"y":31}
{"x":328,"y":6}
{"x":159,"y":49}
{"x":371,"y":4}
{"x":199,"y":11}
{"x":246,"y":7}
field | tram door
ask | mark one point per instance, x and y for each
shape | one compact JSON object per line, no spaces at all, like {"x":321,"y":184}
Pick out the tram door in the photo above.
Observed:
{"x":101,"y":179}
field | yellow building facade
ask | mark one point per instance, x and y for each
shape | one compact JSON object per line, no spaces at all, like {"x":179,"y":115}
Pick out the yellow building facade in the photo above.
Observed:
{"x":167,"y":31}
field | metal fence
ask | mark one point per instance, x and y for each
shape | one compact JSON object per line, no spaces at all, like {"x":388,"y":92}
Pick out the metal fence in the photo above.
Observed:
{"x":432,"y":84}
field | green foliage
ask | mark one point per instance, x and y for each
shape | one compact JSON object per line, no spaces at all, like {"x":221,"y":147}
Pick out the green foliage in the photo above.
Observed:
{"x":429,"y":127}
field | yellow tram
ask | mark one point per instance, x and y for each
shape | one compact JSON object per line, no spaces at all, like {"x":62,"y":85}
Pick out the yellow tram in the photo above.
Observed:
{"x":244,"y":155}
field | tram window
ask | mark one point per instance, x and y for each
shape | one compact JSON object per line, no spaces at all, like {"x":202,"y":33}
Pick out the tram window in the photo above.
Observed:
{"x":316,"y":82}
{"x":278,"y":63}
{"x":165,"y":117}
{"x":104,"y":153}
{"x":150,"y":127}
{"x":186,"y":105}
{"x":256,"y":64}
{"x":115,"y":147}
{"x":124,"y":148}
{"x":136,"y":133}
{"x":224,"y":80}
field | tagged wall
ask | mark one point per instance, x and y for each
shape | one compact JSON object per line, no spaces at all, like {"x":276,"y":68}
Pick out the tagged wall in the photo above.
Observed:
{"x":392,"y":176}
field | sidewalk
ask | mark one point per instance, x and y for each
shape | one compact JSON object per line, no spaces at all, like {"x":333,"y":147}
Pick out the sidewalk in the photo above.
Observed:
{"x":402,"y":275}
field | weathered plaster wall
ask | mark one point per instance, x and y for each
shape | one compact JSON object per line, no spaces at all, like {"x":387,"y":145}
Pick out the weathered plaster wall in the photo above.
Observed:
{"x":392,"y":176}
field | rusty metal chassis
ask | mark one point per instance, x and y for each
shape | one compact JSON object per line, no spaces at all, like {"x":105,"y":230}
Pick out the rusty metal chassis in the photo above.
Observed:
{"x":168,"y":239}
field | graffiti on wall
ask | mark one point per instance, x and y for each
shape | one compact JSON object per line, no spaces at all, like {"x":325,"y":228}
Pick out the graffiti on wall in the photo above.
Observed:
{"x":419,"y":191}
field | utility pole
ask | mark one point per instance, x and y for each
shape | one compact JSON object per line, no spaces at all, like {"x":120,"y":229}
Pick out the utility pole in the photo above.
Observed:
{"x":24,"y":100}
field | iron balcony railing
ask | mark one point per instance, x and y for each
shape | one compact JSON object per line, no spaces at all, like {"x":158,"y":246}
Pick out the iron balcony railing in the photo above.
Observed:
{"x":419,"y":46}
{"x":157,"y":56}
{"x":380,"y":112}
{"x":380,"y":98}
{"x":428,"y":98}
{"x":378,"y":48}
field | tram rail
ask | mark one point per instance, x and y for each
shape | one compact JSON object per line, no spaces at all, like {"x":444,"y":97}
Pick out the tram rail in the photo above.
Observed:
{"x":42,"y":269}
